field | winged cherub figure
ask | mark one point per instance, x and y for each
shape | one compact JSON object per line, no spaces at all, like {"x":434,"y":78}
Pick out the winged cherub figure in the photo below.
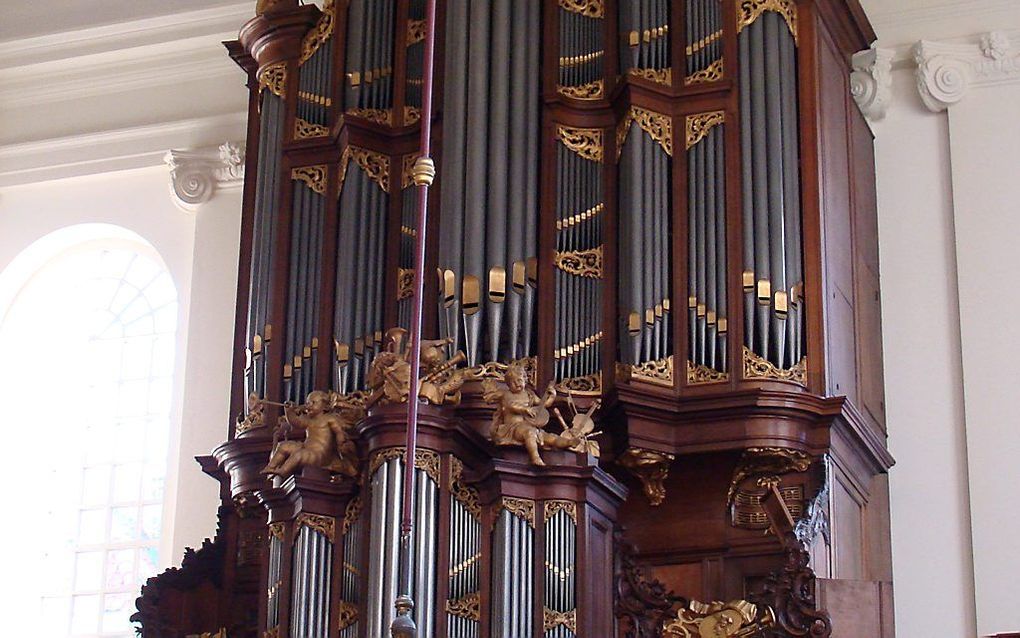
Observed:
{"x":326,"y":421}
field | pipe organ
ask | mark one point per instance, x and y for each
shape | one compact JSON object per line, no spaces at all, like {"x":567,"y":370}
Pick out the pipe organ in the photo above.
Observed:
{"x":646,"y":313}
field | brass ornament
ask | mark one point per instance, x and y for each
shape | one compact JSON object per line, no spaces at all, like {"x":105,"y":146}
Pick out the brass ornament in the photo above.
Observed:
{"x":581,"y":263}
{"x":274,"y":77}
{"x":757,"y":367}
{"x":314,"y":177}
{"x":704,"y":375}
{"x":522,"y":508}
{"x":276,"y":530}
{"x":466,"y":496}
{"x":348,"y":614}
{"x":750,"y":10}
{"x":651,"y":468}
{"x":552,"y":508}
{"x":304,"y":129}
{"x":658,"y":126}
{"x":712,"y":73}
{"x":552,"y":618}
{"x":423,"y":172}
{"x":719,"y":620}
{"x":469,"y":607}
{"x":586,"y":142}
{"x":587,"y":8}
{"x":415,"y":31}
{"x":322,"y":31}
{"x":590,"y":91}
{"x":325,"y":525}
{"x":747,"y":511}
{"x":659,"y":76}
{"x":375,"y":165}
{"x":698,"y":126}
{"x":405,"y":283}
{"x":351,"y":515}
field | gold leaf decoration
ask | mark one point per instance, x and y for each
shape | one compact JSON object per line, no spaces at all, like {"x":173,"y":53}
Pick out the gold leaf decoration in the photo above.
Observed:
{"x":411,"y":115}
{"x":590,"y":91}
{"x":552,"y":508}
{"x":588,"y":385}
{"x":712,"y":73}
{"x":320,"y":100}
{"x":659,"y":76}
{"x":496,"y":370}
{"x":757,"y":367}
{"x":586,"y":142}
{"x":552,"y":618}
{"x":581,"y":263}
{"x":351,"y":515}
{"x":702,"y":375}
{"x":651,"y":468}
{"x":737,"y":618}
{"x":274,"y":77}
{"x":382,"y":456}
{"x":325,"y":525}
{"x":348,"y":614}
{"x":770,"y":461}
{"x":704,"y":42}
{"x":304,"y":129}
{"x":407,"y":170}
{"x":317,"y":36}
{"x":521,"y":508}
{"x":428,"y":461}
{"x":314,"y":177}
{"x":698,"y":126}
{"x":467,"y":496}
{"x":375,"y":165}
{"x":469,"y":607}
{"x":657,"y":372}
{"x":276,"y":530}
{"x":415,"y":31}
{"x":657,"y":125}
{"x":587,"y":8}
{"x":379,"y":116}
{"x":405,"y":283}
{"x":583,"y":216}
{"x":750,"y":10}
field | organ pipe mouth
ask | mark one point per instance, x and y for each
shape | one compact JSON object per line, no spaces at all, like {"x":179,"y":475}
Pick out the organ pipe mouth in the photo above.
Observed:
{"x":782,"y":304}
{"x":748,"y":280}
{"x":634,"y":324}
{"x":268,"y":333}
{"x":471,"y":295}
{"x":520,"y":277}
{"x":497,"y":284}
{"x":449,"y":288}
{"x":764,"y":291}
{"x":723,"y":325}
{"x":533,"y":272}
{"x":288,"y":372}
{"x":256,"y":345}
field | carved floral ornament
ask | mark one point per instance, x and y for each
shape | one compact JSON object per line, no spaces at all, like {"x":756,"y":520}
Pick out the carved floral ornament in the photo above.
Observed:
{"x":748,"y":11}
{"x":587,"y":8}
{"x":712,"y":73}
{"x":658,"y":126}
{"x":700,"y":125}
{"x":325,"y":525}
{"x":586,"y":142}
{"x":589,"y":91}
{"x":719,"y":620}
{"x":375,"y":165}
{"x":274,"y":78}
{"x":196,"y":176}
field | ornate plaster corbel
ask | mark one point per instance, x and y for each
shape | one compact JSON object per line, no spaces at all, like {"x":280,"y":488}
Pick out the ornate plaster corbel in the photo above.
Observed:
{"x":871,"y":81}
{"x":195,"y":176}
{"x":651,"y":468}
{"x":945,"y":71}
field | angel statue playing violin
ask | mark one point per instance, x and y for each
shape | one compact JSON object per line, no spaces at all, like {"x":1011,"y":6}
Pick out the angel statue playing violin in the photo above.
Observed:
{"x":521,"y":415}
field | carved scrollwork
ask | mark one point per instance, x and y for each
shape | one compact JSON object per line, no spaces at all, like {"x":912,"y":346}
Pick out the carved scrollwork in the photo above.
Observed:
{"x":323,"y":31}
{"x":750,"y":10}
{"x":642,"y":604}
{"x":348,"y":614}
{"x":552,"y":508}
{"x":712,"y":73}
{"x":587,"y":8}
{"x":274,"y":77}
{"x":703,"y":375}
{"x":276,"y":530}
{"x":415,"y":31}
{"x":467,"y":496}
{"x":658,"y":372}
{"x":314,"y":177}
{"x":719,"y":620}
{"x":658,"y":126}
{"x":766,"y":462}
{"x":659,"y":76}
{"x":426,"y":460}
{"x":351,"y":515}
{"x":790,"y":593}
{"x":303,"y":129}
{"x":698,"y":126}
{"x":375,"y":165}
{"x":407,"y":170}
{"x":651,"y":468}
{"x":469,"y":607}
{"x":325,"y":525}
{"x":522,"y":508}
{"x":590,"y":91}
{"x":586,"y":142}
{"x":588,"y":385}
{"x":379,"y":116}
{"x":496,"y":370}
{"x":405,"y":283}
{"x":552,"y":619}
{"x":757,"y":367}
{"x":581,"y":263}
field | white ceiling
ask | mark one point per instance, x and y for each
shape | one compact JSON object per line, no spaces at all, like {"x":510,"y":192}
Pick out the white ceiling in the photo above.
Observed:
{"x":21,"y":19}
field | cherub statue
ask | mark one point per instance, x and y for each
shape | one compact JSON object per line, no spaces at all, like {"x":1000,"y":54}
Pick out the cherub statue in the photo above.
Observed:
{"x":521,"y":416}
{"x":254,"y":417}
{"x":389,"y":377}
{"x":326,"y":420}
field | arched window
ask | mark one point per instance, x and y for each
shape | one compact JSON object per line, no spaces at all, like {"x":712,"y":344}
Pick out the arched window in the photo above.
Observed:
{"x":87,"y":345}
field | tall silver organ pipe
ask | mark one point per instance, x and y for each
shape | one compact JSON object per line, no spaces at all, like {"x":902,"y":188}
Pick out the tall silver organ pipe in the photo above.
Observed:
{"x":580,"y":204}
{"x":408,"y":233}
{"x":513,"y":571}
{"x":464,"y":578}
{"x":772,"y":252}
{"x":489,"y":173}
{"x":560,"y":568}
{"x":350,"y":599}
{"x":305,"y":278}
{"x":415,"y":55}
{"x":582,"y":49}
{"x":315,"y":74}
{"x":311,"y":578}
{"x":368,"y":78}
{"x":703,"y":32}
{"x":384,"y":545}
{"x":275,"y":576}
{"x":644,"y":141}
{"x":645,"y":45}
{"x":264,"y":234}
{"x":707,"y":323}
{"x":361,"y":262}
